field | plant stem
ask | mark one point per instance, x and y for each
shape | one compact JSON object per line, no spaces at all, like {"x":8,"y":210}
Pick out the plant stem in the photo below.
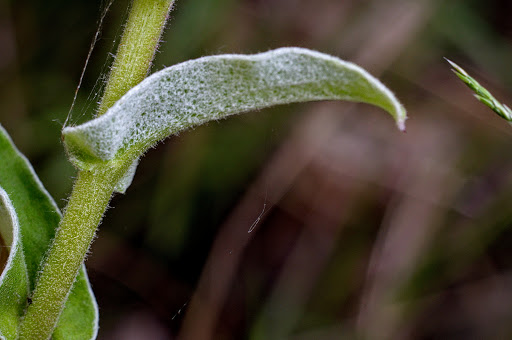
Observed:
{"x":83,"y":213}
{"x":136,"y":49}
{"x":93,"y":189}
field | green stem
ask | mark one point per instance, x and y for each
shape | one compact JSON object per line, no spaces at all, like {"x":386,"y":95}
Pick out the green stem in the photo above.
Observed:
{"x":93,"y":189}
{"x":83,"y":213}
{"x":136,"y":49}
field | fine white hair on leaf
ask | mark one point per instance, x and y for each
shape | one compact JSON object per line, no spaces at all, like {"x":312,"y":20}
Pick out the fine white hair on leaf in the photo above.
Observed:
{"x":9,"y":230}
{"x":210,"y":88}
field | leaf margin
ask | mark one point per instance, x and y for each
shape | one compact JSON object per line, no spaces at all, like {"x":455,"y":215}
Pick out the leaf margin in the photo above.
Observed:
{"x":15,"y":262}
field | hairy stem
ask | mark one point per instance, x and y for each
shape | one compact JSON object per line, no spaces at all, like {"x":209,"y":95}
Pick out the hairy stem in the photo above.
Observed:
{"x":136,"y":49}
{"x":93,"y":189}
{"x":87,"y":203}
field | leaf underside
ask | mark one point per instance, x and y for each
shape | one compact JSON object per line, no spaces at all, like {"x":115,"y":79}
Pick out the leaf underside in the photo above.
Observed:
{"x":28,"y":220}
{"x":210,"y":88}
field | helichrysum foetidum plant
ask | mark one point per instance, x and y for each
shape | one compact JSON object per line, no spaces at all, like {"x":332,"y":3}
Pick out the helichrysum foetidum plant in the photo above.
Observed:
{"x":44,"y":290}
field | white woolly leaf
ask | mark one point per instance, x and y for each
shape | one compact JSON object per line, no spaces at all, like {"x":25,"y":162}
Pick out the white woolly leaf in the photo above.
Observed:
{"x":210,"y":88}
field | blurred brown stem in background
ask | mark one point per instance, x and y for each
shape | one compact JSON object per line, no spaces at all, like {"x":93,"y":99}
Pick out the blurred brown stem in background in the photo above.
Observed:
{"x":303,"y":147}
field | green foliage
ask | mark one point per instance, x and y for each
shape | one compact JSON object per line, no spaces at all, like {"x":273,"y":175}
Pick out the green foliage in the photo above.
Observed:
{"x":28,"y":221}
{"x":481,"y":93}
{"x":93,"y":190}
{"x":170,"y":101}
{"x":39,"y":281}
{"x":210,"y":88}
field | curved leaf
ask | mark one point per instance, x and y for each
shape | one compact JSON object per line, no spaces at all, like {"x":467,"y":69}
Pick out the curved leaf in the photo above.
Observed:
{"x":28,"y":220}
{"x":210,"y":88}
{"x":14,"y":279}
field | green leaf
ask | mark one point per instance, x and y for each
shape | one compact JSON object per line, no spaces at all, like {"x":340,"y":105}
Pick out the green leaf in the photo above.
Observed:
{"x":28,"y":220}
{"x":210,"y":88}
{"x":481,"y":93}
{"x":14,"y":280}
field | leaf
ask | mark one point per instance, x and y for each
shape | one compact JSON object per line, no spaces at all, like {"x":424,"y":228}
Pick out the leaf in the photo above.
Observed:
{"x":481,"y":93}
{"x":127,"y":178}
{"x":210,"y":88}
{"x":28,"y":220}
{"x":13,"y":280}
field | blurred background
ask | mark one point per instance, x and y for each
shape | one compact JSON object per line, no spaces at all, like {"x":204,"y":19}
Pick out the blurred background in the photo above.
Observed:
{"x":359,"y":231}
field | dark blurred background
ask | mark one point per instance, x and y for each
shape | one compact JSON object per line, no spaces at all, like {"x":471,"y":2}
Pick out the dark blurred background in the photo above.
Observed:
{"x":362,"y":232}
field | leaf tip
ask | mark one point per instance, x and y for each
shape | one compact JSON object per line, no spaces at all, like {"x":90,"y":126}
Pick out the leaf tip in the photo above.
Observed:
{"x":401,"y":117}
{"x":401,"y":125}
